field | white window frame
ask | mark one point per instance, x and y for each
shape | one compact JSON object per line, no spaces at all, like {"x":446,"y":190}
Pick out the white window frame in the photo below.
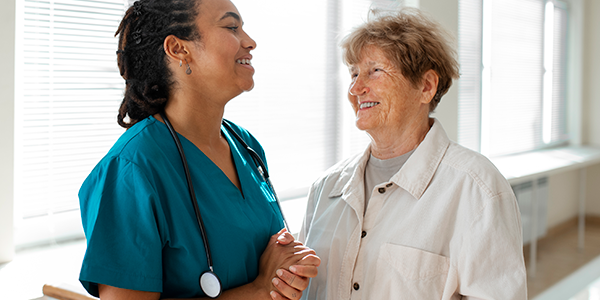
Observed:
{"x":573,"y":80}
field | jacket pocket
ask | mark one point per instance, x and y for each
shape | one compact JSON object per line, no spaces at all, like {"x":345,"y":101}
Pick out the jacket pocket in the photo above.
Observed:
{"x":409,"y":273}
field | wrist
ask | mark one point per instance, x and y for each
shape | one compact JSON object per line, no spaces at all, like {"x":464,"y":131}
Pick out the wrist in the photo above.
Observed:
{"x":262,"y":287}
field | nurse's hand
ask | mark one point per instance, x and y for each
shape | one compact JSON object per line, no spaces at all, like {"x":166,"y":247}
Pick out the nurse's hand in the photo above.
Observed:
{"x":277,"y":256}
{"x":307,"y":267}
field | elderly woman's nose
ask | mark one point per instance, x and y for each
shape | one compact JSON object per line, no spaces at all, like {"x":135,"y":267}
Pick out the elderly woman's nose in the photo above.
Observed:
{"x":358,"y":88}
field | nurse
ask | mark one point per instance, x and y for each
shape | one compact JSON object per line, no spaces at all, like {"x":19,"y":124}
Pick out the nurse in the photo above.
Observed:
{"x":186,"y":59}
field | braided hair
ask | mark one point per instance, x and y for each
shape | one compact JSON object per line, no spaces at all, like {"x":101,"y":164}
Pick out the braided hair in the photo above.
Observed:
{"x":141,"y":58}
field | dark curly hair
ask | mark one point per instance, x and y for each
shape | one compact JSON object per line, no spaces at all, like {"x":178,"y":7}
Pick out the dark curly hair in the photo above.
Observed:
{"x":141,"y":57}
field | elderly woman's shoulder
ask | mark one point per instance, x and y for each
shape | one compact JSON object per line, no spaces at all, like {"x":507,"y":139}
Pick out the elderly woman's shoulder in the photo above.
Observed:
{"x":476,"y":166}
{"x":462,"y":156}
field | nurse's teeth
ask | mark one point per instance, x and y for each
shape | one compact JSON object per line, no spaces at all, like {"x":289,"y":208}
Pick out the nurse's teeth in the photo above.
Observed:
{"x":244,"y":62}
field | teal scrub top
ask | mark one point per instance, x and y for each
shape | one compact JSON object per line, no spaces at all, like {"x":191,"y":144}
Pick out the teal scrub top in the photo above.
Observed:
{"x":139,"y":220}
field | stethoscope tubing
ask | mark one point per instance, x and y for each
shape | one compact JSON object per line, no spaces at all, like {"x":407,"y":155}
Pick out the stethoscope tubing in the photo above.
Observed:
{"x":262,"y":168}
{"x":190,"y":189}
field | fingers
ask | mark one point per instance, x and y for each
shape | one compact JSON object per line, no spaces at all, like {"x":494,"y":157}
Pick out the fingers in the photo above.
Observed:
{"x":285,"y":290}
{"x":285,"y":238}
{"x":282,"y":237}
{"x":293,"y":280}
{"x":310,"y":259}
{"x":306,"y":271}
{"x":274,"y":237}
{"x":276,"y":296}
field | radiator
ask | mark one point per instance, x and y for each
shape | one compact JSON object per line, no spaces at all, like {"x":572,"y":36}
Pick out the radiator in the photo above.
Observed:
{"x":524,"y":193}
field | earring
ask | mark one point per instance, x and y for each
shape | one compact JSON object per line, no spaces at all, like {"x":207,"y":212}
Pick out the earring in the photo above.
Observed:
{"x":187,"y":70}
{"x":180,"y":63}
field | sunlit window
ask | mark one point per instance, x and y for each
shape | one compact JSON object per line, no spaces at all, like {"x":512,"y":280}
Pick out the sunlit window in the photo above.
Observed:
{"x":69,"y":91}
{"x":512,"y":95}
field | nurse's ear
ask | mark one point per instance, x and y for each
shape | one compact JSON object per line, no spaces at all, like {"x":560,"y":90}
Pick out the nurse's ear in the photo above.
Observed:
{"x":177,"y":52}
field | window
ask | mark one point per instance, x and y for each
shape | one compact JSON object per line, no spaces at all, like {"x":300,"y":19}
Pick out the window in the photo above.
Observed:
{"x":69,"y":90}
{"x":512,"y":94}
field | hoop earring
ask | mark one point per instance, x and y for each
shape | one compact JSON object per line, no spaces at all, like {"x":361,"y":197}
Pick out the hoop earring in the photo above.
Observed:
{"x":187,"y":70}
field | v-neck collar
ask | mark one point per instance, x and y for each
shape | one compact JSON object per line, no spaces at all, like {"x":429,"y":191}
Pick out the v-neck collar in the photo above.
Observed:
{"x":238,"y":160}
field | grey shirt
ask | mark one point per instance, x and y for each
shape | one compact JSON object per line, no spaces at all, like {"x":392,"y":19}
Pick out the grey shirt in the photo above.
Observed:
{"x":379,"y":171}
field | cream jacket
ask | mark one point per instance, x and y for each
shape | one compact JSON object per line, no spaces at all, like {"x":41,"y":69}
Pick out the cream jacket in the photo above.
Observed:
{"x":446,"y":226}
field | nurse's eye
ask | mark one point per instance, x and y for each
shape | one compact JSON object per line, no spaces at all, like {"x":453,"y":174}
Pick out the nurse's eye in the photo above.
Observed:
{"x":233,"y":28}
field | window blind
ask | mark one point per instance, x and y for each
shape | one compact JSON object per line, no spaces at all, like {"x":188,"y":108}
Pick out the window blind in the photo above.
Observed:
{"x":519,"y":93}
{"x":469,"y":53}
{"x":68,"y":93}
{"x":516,"y":50}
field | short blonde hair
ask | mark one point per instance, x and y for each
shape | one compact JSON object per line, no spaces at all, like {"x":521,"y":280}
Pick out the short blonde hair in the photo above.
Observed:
{"x":412,"y":41}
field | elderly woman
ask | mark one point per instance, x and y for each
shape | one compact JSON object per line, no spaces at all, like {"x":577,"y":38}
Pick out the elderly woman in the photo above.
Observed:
{"x":415,"y":216}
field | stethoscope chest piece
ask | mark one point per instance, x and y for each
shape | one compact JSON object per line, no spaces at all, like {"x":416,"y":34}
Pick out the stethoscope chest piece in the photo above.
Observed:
{"x":210,"y":284}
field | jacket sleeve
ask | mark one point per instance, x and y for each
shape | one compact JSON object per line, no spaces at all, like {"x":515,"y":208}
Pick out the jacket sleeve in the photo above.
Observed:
{"x":491,"y":264}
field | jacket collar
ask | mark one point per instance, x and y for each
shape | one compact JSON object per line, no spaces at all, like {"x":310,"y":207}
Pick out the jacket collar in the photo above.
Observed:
{"x":414,"y":177}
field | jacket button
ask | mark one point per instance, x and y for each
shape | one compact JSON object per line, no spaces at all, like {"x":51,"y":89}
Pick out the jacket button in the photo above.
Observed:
{"x":389,"y":185}
{"x":356,"y":286}
{"x":381,"y":190}
{"x":364,"y":233}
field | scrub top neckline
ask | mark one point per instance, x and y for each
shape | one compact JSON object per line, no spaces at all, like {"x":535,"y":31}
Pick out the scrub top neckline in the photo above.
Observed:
{"x":235,"y":158}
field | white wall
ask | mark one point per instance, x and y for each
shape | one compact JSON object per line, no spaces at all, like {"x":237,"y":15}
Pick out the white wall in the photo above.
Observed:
{"x":7,"y":67}
{"x":591,"y":96}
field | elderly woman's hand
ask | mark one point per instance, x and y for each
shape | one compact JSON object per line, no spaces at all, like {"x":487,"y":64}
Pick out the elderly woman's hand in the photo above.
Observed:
{"x":283,"y":254}
{"x":297,"y":277}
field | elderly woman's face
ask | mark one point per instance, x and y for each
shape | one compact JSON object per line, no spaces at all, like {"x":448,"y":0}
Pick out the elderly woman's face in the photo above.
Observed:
{"x":382,"y":98}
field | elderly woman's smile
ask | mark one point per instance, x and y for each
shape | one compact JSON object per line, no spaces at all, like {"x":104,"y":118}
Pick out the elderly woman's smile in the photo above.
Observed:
{"x":366,"y":105}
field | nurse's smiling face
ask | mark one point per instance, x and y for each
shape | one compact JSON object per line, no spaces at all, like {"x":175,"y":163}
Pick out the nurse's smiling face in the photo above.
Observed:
{"x":382,"y":98}
{"x":222,"y":61}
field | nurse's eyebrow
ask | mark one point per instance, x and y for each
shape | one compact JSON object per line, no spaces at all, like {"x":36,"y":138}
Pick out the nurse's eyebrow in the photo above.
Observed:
{"x":231,"y":15}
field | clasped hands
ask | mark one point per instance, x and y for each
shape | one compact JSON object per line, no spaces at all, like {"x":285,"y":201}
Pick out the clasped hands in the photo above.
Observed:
{"x":286,"y":266}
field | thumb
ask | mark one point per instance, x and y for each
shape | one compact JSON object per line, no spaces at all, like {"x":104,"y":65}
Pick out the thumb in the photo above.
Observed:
{"x":285,"y":237}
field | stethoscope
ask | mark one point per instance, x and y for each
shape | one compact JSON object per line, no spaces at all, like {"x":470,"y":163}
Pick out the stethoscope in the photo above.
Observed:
{"x":209,"y":281}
